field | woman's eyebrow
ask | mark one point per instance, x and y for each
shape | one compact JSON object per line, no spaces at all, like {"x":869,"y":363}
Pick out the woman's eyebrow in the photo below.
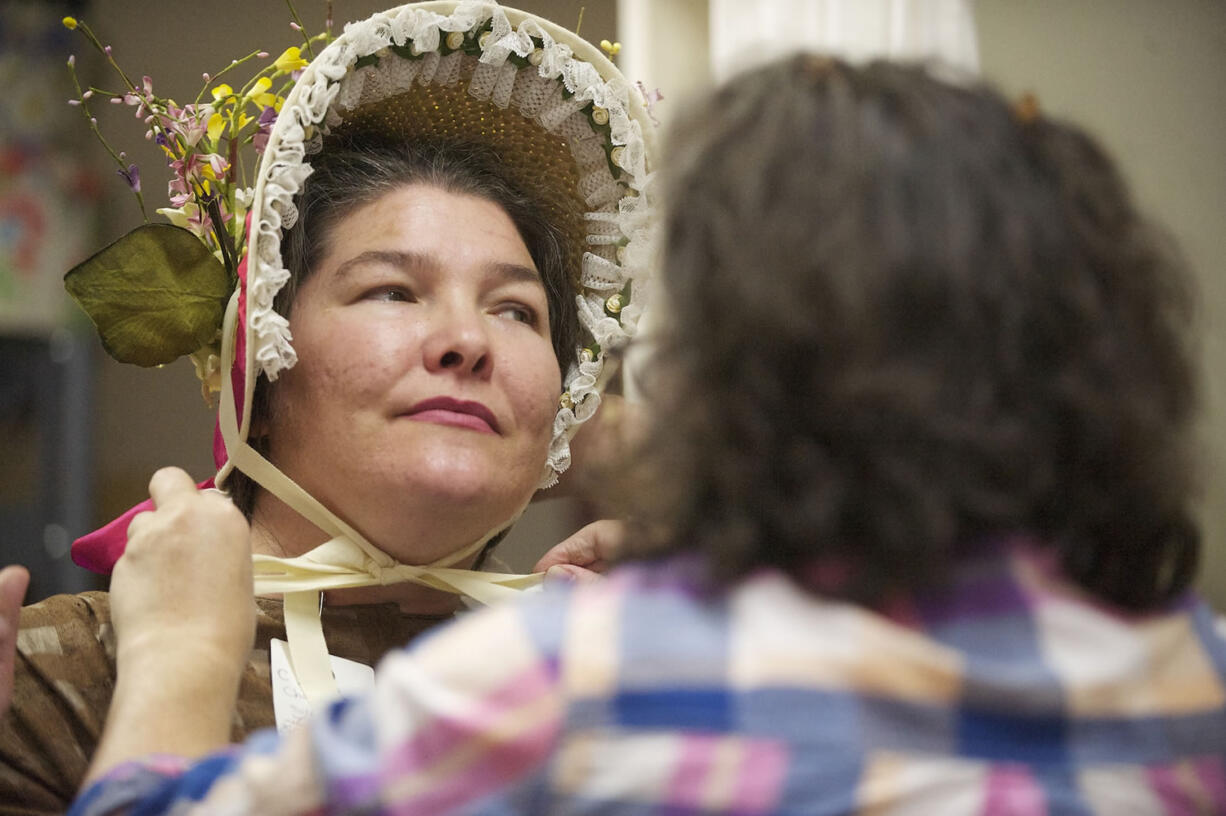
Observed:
{"x":399,"y":259}
{"x":514,"y":273}
{"x":408,"y":261}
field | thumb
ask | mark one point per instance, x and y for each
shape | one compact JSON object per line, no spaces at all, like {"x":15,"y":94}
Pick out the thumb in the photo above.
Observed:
{"x":593,"y":546}
{"x":13,"y":584}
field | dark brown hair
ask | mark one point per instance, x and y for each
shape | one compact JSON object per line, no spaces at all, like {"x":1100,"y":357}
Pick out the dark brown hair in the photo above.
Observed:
{"x":345,"y":177}
{"x":904,"y":322}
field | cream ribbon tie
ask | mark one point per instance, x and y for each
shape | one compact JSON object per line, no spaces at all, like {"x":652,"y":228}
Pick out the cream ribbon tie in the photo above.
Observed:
{"x":344,"y":561}
{"x":341,"y":564}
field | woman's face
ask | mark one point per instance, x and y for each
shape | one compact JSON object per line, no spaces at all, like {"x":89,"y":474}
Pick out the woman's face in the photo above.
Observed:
{"x":426,"y":384}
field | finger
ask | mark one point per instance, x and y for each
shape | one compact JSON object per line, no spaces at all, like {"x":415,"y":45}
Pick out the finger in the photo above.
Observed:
{"x":169,"y":483}
{"x":577,"y":549}
{"x":14,"y":581}
{"x":138,"y":522}
{"x":569,"y":573}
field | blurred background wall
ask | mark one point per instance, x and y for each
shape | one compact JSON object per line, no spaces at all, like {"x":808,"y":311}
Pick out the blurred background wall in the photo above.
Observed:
{"x":1144,"y":76}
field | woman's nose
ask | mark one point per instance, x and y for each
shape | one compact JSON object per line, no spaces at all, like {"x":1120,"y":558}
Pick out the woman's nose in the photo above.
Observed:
{"x":459,"y":342}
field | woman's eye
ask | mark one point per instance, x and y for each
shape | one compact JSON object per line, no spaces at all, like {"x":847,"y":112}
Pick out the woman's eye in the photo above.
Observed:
{"x":390,"y":294}
{"x":520,"y":314}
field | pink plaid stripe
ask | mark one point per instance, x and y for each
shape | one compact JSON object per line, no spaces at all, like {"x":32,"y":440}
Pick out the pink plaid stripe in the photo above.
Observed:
{"x":760,"y":767}
{"x":1013,"y":791}
{"x":460,"y":757}
{"x":689,"y":782}
{"x":1211,"y":771}
{"x":1191,"y":788}
{"x":492,"y":768}
{"x":763,"y":774}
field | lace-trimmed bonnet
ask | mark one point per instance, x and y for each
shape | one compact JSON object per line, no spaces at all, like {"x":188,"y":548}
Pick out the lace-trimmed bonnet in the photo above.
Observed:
{"x":570,"y":129}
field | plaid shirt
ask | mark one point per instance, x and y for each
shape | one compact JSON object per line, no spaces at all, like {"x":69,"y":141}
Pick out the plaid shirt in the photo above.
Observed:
{"x":1009,"y":693}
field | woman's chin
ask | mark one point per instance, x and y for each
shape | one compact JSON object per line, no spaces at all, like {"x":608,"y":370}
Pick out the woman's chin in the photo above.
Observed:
{"x":470,"y":485}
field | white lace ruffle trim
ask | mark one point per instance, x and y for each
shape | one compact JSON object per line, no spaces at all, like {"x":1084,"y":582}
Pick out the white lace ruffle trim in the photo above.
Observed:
{"x":619,"y":215}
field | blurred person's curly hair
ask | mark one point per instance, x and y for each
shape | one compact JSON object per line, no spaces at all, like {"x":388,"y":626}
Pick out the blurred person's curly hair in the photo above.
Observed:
{"x":906,"y":319}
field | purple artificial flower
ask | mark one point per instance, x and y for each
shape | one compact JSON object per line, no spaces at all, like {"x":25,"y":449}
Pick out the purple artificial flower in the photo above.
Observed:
{"x":132,"y":176}
{"x":264,"y":124}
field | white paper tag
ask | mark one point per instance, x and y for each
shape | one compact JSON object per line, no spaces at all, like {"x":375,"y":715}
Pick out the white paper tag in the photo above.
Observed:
{"x":290,"y":706}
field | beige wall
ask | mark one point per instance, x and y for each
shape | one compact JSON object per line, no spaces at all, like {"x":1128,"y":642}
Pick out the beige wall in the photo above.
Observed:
{"x":1146,"y":77}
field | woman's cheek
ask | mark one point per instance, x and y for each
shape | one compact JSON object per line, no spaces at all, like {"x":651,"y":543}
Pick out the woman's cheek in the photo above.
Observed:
{"x":542,"y":392}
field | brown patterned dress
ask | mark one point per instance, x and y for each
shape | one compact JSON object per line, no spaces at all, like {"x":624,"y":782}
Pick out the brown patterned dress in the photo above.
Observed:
{"x":65,"y":675}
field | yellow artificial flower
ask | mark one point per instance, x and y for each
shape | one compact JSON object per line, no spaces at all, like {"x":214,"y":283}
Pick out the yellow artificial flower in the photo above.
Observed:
{"x":290,"y":60}
{"x":259,"y":93}
{"x":221,"y":92}
{"x":70,"y":23}
{"x":217,"y":123}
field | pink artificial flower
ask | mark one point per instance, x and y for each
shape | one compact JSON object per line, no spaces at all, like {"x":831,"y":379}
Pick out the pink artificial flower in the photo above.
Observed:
{"x":189,"y":123}
{"x":650,"y":100}
{"x":142,"y":97}
{"x":178,"y":192}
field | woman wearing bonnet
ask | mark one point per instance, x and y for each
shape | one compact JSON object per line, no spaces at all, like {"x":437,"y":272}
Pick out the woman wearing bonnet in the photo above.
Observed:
{"x":921,"y":510}
{"x":447,"y":239}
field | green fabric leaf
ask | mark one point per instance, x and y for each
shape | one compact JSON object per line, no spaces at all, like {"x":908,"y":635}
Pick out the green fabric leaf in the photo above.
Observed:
{"x":154,"y":295}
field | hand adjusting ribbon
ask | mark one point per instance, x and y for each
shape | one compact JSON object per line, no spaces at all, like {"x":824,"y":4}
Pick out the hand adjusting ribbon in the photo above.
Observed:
{"x":347,"y":560}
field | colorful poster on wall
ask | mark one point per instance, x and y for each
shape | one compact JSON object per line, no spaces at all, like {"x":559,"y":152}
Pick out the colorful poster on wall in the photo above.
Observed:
{"x":48,"y":195}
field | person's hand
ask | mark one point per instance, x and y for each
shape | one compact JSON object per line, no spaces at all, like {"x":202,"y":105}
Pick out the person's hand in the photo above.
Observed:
{"x":584,"y":556}
{"x":13,"y":584}
{"x":184,"y":614}
{"x":184,"y":581}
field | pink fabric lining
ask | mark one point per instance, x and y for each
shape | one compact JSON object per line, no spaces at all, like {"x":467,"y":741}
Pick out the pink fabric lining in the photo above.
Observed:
{"x":98,"y":551}
{"x":238,"y":371}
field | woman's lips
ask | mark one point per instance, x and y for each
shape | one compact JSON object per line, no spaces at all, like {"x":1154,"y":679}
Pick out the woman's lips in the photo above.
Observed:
{"x":455,"y":413}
